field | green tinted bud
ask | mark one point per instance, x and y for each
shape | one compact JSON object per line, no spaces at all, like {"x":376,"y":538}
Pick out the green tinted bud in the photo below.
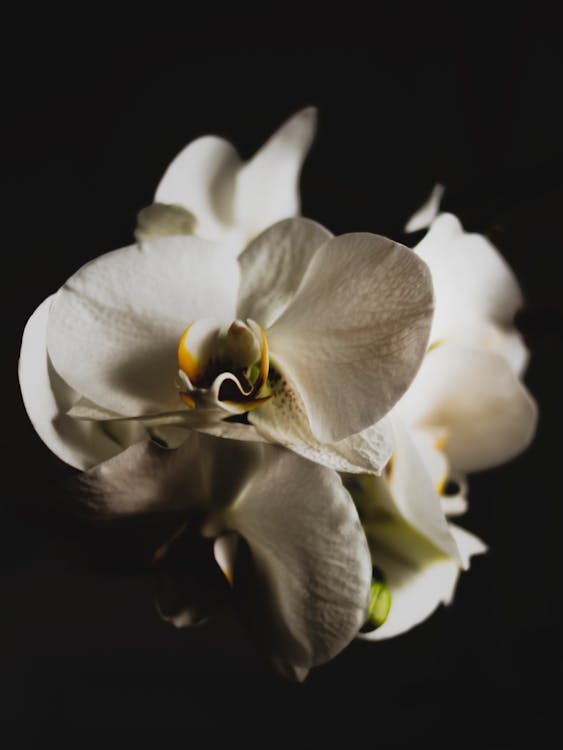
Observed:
{"x":378,"y":608}
{"x":253,"y":373}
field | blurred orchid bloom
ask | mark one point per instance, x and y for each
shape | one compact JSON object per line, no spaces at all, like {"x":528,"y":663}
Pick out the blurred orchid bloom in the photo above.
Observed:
{"x":416,"y":553}
{"x":313,"y":337}
{"x":468,"y":395}
{"x":209,"y":191}
{"x":466,"y":410}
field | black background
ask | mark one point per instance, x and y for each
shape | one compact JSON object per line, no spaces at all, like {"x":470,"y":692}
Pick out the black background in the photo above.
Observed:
{"x":93,"y":115}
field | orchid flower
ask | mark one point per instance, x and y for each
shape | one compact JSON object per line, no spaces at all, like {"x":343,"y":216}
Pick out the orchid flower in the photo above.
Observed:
{"x":209,"y":191}
{"x":307,"y":338}
{"x":205,"y":190}
{"x":468,"y":393}
{"x":417,"y":556}
{"x":304,"y":588}
{"x":312,"y":337}
{"x":465,"y":410}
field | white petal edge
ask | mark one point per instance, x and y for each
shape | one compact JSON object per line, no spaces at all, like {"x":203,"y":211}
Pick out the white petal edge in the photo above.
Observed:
{"x":232,"y":200}
{"x":267,"y":187}
{"x":201,"y":179}
{"x":472,"y":281}
{"x":425,"y":215}
{"x":47,"y":398}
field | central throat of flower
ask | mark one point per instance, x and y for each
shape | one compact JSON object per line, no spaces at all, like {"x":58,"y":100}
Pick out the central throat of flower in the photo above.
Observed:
{"x":223,"y":367}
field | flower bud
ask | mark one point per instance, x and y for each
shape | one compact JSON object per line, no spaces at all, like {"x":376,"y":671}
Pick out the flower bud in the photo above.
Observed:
{"x":379,"y":606}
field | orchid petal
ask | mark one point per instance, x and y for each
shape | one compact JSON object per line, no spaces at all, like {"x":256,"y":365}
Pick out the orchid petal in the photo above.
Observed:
{"x":267,"y":187}
{"x":311,"y":560}
{"x":511,"y":346}
{"x":425,"y":215}
{"x":232,"y":200}
{"x":474,"y":395}
{"x":429,"y":446}
{"x":201,"y":179}
{"x":472,"y":281}
{"x":413,"y":494}
{"x":309,"y":555}
{"x":167,"y":428}
{"x":468,"y":544}
{"x":274,"y":264}
{"x":455,"y":505}
{"x":417,"y":575}
{"x":355,"y":332}
{"x":146,"y":478}
{"x":283,"y":420}
{"x":114,"y":326}
{"x":47,"y":398}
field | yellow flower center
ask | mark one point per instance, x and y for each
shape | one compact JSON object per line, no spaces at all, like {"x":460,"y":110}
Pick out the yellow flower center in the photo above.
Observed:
{"x":206,"y":352}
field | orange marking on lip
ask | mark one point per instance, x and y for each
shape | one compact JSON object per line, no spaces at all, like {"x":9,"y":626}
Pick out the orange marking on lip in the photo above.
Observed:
{"x":265,"y":361}
{"x":188,"y":363}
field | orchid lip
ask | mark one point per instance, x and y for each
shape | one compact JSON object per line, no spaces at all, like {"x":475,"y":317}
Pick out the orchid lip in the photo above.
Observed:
{"x":227,"y":369}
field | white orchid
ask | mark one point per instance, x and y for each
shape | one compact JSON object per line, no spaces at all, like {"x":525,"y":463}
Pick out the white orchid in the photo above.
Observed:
{"x":468,"y":392}
{"x":209,"y":179}
{"x":416,"y":553}
{"x":209,"y":191}
{"x":216,"y":322}
{"x":465,"y":410}
{"x":314,"y":337}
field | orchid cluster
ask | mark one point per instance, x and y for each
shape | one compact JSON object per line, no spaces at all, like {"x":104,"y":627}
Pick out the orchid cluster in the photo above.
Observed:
{"x":309,"y":405}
